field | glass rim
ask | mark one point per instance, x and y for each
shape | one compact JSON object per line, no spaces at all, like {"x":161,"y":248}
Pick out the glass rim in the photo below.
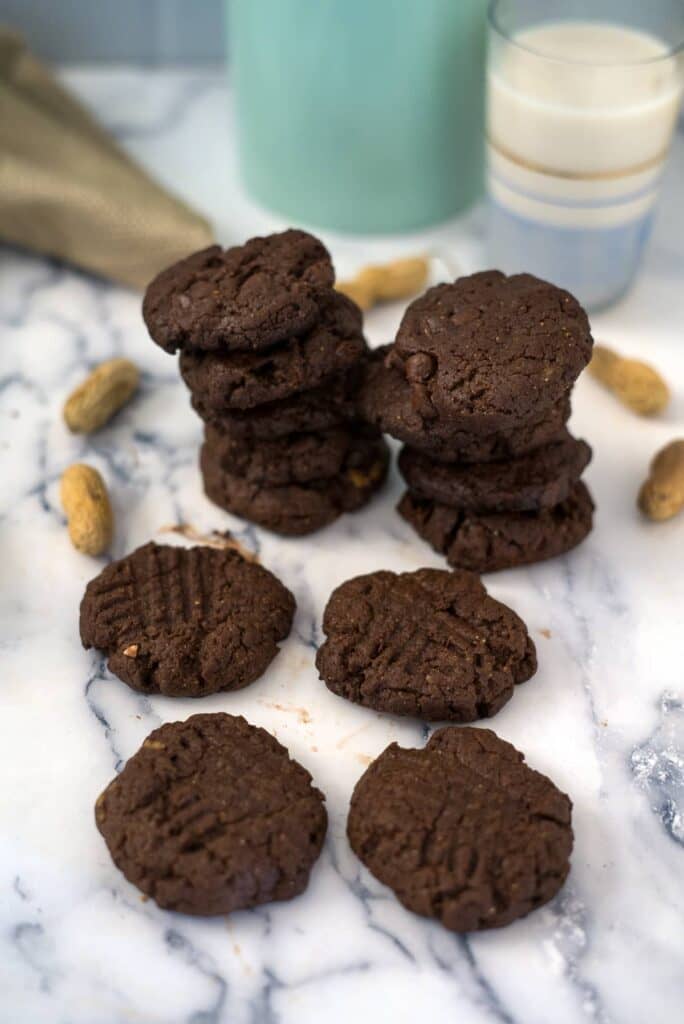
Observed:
{"x":494,"y":23}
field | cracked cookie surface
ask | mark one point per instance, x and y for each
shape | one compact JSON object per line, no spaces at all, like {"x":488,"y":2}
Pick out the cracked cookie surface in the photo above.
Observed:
{"x":385,"y":401}
{"x":247,"y":297}
{"x":243,"y":380}
{"x":186,"y":622}
{"x":538,"y":479}
{"x":430,"y":643}
{"x":462,"y":830}
{"x":486,"y":542}
{"x":490,"y":351}
{"x":297,"y":509}
{"x":212,"y":815}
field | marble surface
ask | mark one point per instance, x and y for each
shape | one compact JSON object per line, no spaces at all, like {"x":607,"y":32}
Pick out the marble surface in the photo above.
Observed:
{"x":604,"y":716}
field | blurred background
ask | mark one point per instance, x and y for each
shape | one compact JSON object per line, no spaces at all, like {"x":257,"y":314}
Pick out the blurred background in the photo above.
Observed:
{"x":146,"y":31}
{"x":367,"y":119}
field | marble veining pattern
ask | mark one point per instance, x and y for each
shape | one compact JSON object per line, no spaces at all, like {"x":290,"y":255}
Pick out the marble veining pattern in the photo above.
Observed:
{"x":604,"y":716}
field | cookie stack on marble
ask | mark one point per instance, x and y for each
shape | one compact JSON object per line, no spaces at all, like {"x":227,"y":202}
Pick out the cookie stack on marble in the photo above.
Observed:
{"x":271,"y":354}
{"x":477,"y":385}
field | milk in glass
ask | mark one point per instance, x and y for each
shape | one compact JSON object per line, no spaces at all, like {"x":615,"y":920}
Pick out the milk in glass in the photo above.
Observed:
{"x":580,"y":116}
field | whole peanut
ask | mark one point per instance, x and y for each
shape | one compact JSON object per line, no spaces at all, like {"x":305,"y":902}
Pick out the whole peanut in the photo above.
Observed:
{"x":101,"y":394}
{"x":636,"y":384}
{"x":384,"y":282}
{"x":86,"y":505}
{"x":662,"y":495}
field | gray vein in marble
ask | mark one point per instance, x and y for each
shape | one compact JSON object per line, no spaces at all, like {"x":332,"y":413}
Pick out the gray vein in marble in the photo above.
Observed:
{"x":658,"y":767}
{"x":487,"y":994}
{"x":30,"y":941}
{"x":177,"y":943}
{"x":571,"y":939}
{"x":20,"y":890}
{"x":99,"y":675}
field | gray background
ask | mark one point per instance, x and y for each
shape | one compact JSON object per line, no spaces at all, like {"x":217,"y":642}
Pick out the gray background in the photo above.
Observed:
{"x":144,"y":31}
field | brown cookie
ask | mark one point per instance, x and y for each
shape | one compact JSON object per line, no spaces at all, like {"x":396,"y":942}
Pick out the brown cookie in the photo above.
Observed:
{"x":296,"y":509}
{"x":489,"y":541}
{"x":186,"y":622}
{"x":212,"y":815}
{"x":242,"y":380}
{"x":539,"y":479}
{"x":385,"y":401}
{"x":490,"y":352}
{"x":247,"y":297}
{"x":429,"y":643}
{"x":321,"y":408}
{"x":462,"y":830}
{"x":293,"y":459}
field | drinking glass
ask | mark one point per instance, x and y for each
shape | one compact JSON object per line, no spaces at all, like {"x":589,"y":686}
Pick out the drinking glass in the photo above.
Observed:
{"x":360,"y":115}
{"x":582,"y":100}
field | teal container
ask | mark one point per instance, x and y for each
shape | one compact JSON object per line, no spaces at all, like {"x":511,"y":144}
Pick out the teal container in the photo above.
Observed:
{"x":360,"y":115}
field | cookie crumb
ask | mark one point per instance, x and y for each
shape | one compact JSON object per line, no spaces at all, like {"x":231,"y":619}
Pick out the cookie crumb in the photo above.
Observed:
{"x":302,"y":713}
{"x":221,"y":541}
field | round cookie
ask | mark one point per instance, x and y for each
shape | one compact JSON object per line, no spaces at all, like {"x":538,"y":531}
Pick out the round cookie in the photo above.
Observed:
{"x":489,"y":351}
{"x":430,"y":643}
{"x":242,"y":380}
{"x":489,"y":541}
{"x":296,"y":509}
{"x":247,"y":297}
{"x":212,"y":815}
{"x":293,"y":459}
{"x":539,"y":479}
{"x":186,"y":622}
{"x":385,"y":401}
{"x":463,"y":830}
{"x":317,"y":409}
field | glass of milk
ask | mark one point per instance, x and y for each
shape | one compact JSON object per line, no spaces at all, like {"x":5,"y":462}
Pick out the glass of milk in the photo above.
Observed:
{"x":582,"y":101}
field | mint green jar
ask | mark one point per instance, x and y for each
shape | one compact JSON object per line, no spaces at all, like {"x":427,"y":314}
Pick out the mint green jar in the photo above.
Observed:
{"x":360,"y":115}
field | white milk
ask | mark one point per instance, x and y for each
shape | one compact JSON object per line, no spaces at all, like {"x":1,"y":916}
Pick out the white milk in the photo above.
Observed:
{"x":580,"y":111}
{"x":580,"y":116}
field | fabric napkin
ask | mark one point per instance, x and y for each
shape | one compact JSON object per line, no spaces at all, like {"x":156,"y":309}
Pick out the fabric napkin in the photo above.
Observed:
{"x":68,"y":190}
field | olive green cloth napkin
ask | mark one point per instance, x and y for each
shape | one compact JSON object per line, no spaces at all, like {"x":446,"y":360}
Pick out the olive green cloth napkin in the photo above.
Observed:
{"x":66,"y":188}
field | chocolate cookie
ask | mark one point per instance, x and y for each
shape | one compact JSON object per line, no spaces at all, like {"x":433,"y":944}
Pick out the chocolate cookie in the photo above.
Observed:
{"x":242,"y":380}
{"x":296,"y":509}
{"x":293,"y":459}
{"x":247,"y":297}
{"x":462,"y":830}
{"x":385,"y":400}
{"x":540,"y":479}
{"x":489,"y":351}
{"x":213,"y":815}
{"x":429,"y":643}
{"x":321,"y":408}
{"x":186,"y":622}
{"x":489,"y":541}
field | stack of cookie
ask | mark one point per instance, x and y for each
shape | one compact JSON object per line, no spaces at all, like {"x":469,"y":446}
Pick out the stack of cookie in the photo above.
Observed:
{"x":477,"y":385}
{"x":271,"y":355}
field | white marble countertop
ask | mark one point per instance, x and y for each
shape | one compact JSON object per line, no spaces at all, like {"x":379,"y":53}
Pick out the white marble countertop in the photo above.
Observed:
{"x":604,"y":716}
